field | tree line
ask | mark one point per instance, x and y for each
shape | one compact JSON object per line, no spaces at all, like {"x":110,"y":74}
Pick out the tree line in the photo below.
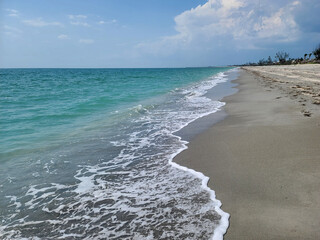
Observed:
{"x":282,"y":58}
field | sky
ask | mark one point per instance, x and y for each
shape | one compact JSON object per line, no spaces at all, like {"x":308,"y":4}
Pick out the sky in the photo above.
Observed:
{"x":153,"y":33}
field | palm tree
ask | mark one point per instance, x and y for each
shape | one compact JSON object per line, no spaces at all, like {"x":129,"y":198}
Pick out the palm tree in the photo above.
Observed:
{"x":282,"y":56}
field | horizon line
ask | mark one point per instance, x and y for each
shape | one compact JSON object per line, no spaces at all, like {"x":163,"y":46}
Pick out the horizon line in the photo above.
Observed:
{"x":111,"y":67}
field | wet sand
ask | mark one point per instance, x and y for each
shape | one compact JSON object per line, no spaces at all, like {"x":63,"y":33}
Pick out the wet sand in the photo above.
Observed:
{"x":263,"y":159}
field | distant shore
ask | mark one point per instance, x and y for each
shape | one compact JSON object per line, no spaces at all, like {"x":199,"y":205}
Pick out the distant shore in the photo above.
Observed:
{"x":263,"y":158}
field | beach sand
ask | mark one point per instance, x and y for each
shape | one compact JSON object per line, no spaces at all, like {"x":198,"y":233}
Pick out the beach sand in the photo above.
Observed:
{"x":263,"y":159}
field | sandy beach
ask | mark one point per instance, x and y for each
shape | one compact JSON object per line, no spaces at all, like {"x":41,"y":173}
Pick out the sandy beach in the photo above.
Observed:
{"x":263,"y":159}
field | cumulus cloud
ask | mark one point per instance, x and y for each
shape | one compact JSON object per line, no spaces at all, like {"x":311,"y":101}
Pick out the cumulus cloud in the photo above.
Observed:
{"x":86,"y":41}
{"x":280,"y":24}
{"x":242,"y":21}
{"x":38,"y":22}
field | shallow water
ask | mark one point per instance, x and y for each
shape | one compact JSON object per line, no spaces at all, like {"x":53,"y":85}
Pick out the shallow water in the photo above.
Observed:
{"x":85,"y":153}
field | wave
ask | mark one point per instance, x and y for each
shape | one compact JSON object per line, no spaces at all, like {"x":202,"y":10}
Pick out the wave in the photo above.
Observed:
{"x":126,"y":185}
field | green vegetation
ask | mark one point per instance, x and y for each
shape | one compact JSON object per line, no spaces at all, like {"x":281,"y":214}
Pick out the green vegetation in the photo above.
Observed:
{"x":282,"y":58}
{"x":316,"y":52}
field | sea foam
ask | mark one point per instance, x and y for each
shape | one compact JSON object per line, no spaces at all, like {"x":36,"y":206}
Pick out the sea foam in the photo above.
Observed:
{"x":126,"y":182}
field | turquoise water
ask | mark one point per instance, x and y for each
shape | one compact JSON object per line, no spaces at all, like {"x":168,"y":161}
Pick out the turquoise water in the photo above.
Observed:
{"x":39,"y":105}
{"x":84,"y":153}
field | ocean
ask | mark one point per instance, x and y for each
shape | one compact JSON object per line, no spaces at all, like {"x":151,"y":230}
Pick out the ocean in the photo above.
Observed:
{"x":87,"y":154}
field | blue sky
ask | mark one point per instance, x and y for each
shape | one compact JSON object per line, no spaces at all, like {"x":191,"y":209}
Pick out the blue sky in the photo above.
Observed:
{"x":153,"y":33}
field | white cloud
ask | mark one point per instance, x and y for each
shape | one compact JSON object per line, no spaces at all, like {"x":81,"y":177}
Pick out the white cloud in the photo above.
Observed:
{"x":78,"y":20}
{"x":86,"y":41}
{"x":278,"y":25}
{"x":295,"y":3}
{"x":13,"y":12}
{"x":63,"y":37}
{"x":77,"y":16}
{"x":245,"y":22}
{"x":238,"y":18}
{"x":11,"y":31}
{"x":108,"y":22}
{"x":38,"y":22}
{"x":77,"y":23}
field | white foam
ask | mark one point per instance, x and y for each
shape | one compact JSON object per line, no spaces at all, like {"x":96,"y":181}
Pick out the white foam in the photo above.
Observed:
{"x":98,"y":190}
{"x":86,"y":184}
{"x":221,"y":229}
{"x":195,"y":96}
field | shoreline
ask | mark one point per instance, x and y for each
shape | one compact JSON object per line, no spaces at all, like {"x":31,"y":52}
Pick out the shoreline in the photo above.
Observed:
{"x":263,"y":163}
{"x":217,"y":93}
{"x":198,"y":126}
{"x":139,"y":141}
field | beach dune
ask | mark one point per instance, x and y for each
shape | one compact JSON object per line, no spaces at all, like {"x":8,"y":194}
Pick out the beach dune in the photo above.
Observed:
{"x":263,"y":159}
